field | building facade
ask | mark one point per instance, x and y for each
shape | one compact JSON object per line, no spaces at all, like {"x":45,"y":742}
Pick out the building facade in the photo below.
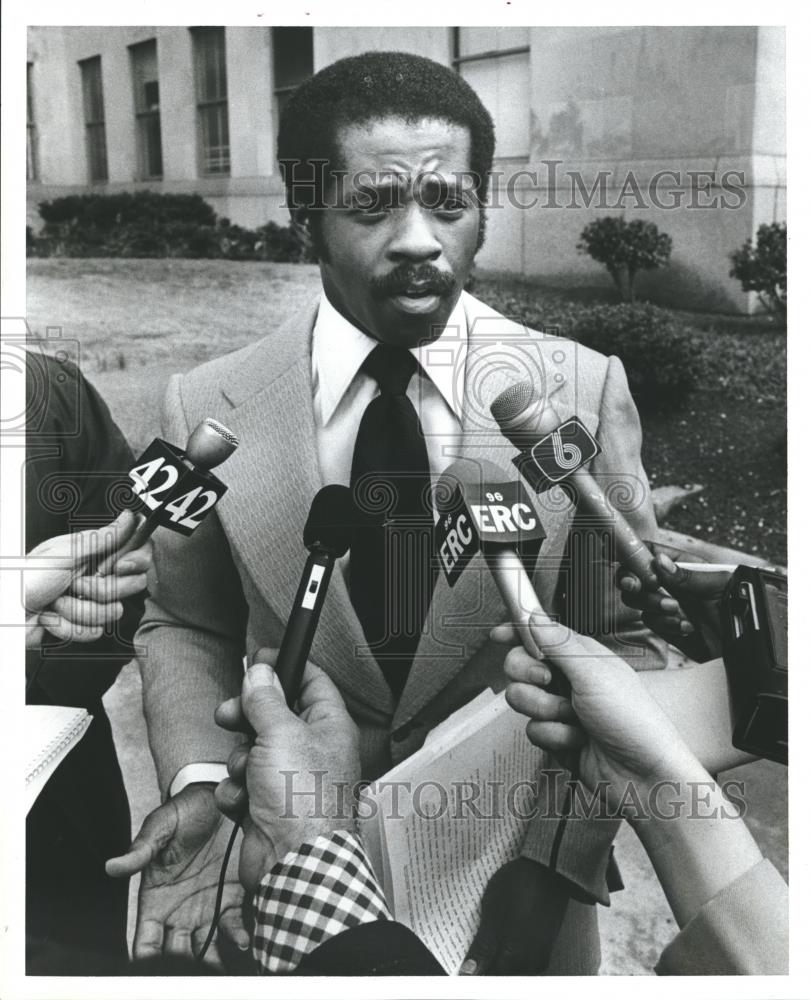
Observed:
{"x":683,"y":126}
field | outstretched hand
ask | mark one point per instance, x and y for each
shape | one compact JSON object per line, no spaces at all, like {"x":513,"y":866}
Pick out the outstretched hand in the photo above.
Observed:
{"x":179,"y":849}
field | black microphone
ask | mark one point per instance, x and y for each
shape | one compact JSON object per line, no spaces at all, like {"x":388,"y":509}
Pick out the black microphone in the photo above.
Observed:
{"x":554,"y":451}
{"x":175,"y":487}
{"x":327,"y":536}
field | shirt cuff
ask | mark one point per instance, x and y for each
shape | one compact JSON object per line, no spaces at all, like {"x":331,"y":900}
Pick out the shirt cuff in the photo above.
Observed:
{"x":196,"y":774}
{"x":314,"y":893}
{"x":571,"y":840}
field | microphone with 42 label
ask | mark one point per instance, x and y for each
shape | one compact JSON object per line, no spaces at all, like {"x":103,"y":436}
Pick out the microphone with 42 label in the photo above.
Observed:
{"x":174,"y":487}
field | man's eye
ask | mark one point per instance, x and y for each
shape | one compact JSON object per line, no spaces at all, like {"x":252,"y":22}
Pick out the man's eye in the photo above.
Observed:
{"x":373,"y":206}
{"x":451,"y":207}
{"x":370,"y":213}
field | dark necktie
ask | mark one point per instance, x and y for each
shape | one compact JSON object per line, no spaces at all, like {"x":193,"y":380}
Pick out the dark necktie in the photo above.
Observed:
{"x":392,"y":577}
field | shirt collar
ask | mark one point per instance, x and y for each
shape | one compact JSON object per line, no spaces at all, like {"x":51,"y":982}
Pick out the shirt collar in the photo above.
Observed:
{"x":339,"y":349}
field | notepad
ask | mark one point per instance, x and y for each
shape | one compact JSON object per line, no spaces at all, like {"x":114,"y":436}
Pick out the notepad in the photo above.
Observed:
{"x":51,"y":732}
{"x":436,"y":845}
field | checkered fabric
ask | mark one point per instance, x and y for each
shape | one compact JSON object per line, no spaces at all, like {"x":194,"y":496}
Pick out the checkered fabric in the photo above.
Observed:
{"x":314,"y":893}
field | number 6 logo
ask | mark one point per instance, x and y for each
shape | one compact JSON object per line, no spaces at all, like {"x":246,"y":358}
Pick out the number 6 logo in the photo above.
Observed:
{"x":567,"y":455}
{"x":560,"y":453}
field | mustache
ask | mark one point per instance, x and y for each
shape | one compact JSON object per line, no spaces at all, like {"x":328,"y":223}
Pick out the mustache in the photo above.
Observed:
{"x":404,"y":276}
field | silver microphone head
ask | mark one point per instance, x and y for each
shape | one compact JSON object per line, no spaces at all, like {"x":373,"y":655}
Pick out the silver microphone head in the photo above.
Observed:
{"x":512,"y":401}
{"x":210,"y":444}
{"x":523,"y":415}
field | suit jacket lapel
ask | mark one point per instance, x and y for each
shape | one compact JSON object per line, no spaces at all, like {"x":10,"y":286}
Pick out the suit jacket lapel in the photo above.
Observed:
{"x":499,"y":354}
{"x":273,"y":477}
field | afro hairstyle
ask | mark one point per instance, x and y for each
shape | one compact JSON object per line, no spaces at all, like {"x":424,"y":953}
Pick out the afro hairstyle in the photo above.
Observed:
{"x":364,"y":88}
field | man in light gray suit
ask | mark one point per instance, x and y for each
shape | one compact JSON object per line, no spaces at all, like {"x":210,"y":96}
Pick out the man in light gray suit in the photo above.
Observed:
{"x":395,"y":222}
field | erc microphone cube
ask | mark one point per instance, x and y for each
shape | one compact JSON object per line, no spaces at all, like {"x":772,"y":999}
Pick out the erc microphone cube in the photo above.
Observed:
{"x":480,"y":511}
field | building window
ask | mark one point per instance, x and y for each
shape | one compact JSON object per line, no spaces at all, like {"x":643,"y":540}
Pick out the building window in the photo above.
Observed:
{"x":292,"y":62}
{"x":211,"y":85}
{"x":94,"y":132}
{"x":495,"y":63}
{"x":147,"y":109}
{"x":31,"y":164}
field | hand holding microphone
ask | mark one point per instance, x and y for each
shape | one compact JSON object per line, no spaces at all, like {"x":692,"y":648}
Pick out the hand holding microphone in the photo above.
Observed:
{"x":61,"y":599}
{"x":632,"y":753}
{"x":609,"y":719}
{"x":322,"y":740}
{"x":100,"y":568}
{"x":698,"y":589}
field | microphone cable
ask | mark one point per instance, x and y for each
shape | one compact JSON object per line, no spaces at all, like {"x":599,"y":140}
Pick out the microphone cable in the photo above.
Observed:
{"x":220,"y":891}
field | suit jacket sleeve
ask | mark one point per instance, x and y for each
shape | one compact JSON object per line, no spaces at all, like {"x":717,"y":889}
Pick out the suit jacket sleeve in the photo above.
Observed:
{"x":379,"y":948}
{"x":588,"y":596}
{"x":742,"y":931}
{"x":191,"y":640}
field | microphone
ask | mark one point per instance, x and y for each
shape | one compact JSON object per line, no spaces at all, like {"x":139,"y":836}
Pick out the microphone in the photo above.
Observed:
{"x":327,"y":536}
{"x":480,"y":508}
{"x":209,"y":445}
{"x":551,"y":452}
{"x":175,"y":487}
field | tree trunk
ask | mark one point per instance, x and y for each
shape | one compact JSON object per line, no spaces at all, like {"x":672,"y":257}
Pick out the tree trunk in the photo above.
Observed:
{"x":623,"y":279}
{"x":631,"y":284}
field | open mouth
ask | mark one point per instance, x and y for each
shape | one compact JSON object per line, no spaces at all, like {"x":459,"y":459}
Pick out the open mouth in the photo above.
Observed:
{"x":417,"y":299}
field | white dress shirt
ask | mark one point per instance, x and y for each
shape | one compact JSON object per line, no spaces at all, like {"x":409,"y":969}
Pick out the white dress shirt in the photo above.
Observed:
{"x":341,"y":392}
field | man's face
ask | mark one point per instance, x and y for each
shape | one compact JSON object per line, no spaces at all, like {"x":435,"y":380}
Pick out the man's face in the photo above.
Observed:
{"x":401,"y":229}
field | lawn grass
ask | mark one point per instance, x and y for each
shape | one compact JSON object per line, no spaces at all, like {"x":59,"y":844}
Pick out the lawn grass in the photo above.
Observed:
{"x":138,"y":321}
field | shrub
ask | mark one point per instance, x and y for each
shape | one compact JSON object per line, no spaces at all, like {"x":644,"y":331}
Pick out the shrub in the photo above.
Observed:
{"x":663,"y":360}
{"x":625,"y":248}
{"x":763,"y":268}
{"x":106,"y":212}
{"x":148,"y":224}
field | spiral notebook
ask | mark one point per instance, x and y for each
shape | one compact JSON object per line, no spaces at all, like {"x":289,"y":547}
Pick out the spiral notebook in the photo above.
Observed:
{"x":51,"y":732}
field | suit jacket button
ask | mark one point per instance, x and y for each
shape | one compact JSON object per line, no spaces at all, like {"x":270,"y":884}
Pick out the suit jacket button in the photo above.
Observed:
{"x":403,"y":732}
